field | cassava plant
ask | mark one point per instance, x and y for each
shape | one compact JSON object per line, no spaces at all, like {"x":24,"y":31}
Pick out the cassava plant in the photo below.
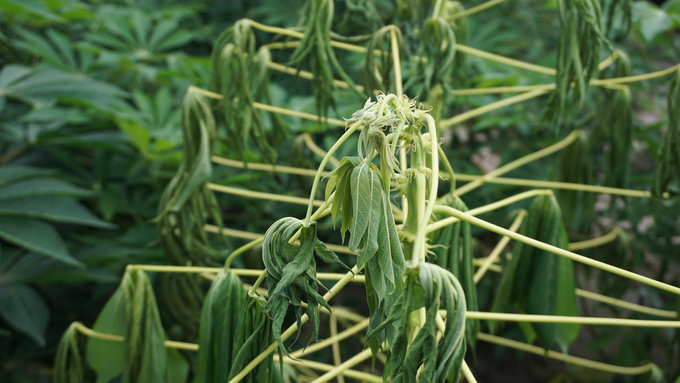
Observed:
{"x":411,"y":244}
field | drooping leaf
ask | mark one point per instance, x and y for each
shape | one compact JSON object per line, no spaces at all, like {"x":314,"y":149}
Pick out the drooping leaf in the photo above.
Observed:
{"x":218,"y":328}
{"x":574,"y":165}
{"x":668,"y":161}
{"x":107,"y":358}
{"x":452,"y":247}
{"x":430,"y":288}
{"x":536,"y":280}
{"x":291,"y":274}
{"x":69,"y":364}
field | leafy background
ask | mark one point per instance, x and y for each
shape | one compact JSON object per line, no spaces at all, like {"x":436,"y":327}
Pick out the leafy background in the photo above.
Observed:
{"x":90,"y":135}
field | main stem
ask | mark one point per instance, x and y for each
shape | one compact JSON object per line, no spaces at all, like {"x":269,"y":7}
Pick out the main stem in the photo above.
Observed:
{"x":326,"y":158}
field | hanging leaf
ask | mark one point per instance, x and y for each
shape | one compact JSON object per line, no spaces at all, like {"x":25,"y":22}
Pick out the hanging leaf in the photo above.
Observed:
{"x":291,"y":274}
{"x":452,"y":248}
{"x":105,"y":357}
{"x":377,"y":72}
{"x":253,"y":335}
{"x":574,"y":166}
{"x":69,"y":364}
{"x":185,"y":206}
{"x":615,"y":124}
{"x":666,"y":177}
{"x":578,"y":54}
{"x":432,"y":288}
{"x":540,"y":282}
{"x":315,"y":48}
{"x":218,"y":328}
{"x":241,"y":75}
{"x":439,"y":64}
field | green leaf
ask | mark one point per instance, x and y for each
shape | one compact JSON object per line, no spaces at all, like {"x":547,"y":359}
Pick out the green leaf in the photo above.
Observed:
{"x":56,"y":209}
{"x":42,"y":187}
{"x":25,"y":310}
{"x":137,"y":133}
{"x":107,"y":358}
{"x":650,"y":19}
{"x":540,"y":282}
{"x":218,"y":328}
{"x":69,"y":364}
{"x":13,"y":173}
{"x":37,"y":236}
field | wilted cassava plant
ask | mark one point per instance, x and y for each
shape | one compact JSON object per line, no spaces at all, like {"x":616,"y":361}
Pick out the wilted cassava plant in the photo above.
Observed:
{"x":410,"y":244}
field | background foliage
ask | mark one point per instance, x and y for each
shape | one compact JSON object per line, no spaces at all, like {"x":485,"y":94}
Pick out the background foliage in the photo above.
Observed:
{"x":90,"y":135}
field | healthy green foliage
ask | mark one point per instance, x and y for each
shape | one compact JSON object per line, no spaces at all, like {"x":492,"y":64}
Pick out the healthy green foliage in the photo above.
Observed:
{"x":430,"y":288}
{"x":291,"y":274}
{"x":452,"y":248}
{"x":668,"y":161}
{"x":540,"y":282}
{"x":25,"y":310}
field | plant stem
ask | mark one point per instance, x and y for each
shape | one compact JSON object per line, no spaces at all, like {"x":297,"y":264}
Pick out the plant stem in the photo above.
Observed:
{"x":449,"y":169}
{"x":626,"y":305}
{"x":457,"y":176}
{"x":353,"y":361}
{"x":475,"y":9}
{"x":333,"y":339}
{"x":505,"y":60}
{"x":493,"y":106}
{"x":241,"y":250}
{"x":262,"y":195}
{"x":318,"y":151}
{"x":499,"y":247}
{"x":424,"y":216}
{"x":570,"y":319}
{"x":258,"y":282}
{"x":566,"y":358}
{"x":315,"y":184}
{"x":556,"y":250}
{"x":397,"y":62}
{"x":439,"y":209}
{"x":599,"y":241}
{"x":519,"y":162}
{"x":467,"y":373}
{"x":500,"y":89}
{"x":640,"y":77}
{"x":335,"y":346}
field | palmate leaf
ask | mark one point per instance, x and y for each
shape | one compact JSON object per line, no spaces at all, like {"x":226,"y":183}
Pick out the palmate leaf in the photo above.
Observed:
{"x":437,"y":70}
{"x":452,"y":247}
{"x":218,"y":328}
{"x":374,"y":233}
{"x":433,"y":288}
{"x":291,"y":274}
{"x":540,"y":282}
{"x":339,"y":180}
